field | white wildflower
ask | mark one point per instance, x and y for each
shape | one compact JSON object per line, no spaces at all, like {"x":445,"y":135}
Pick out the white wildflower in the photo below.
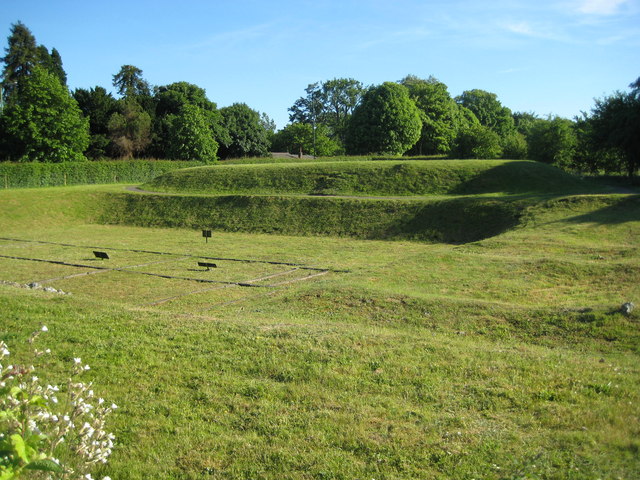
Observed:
{"x":44,"y":328}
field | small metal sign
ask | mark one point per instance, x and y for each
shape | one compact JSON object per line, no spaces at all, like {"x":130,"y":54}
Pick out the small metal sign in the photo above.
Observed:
{"x":207,"y":235}
{"x":101,"y":255}
{"x":208,"y":265}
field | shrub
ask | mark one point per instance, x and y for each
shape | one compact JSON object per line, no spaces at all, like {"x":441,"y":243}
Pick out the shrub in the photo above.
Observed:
{"x":60,"y":431}
{"x":477,"y":141}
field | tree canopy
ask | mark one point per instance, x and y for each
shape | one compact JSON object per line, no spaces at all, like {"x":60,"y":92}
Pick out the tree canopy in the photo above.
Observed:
{"x":248,"y":135}
{"x":329,"y":103}
{"x":438,"y":113}
{"x":488,"y":110}
{"x":45,"y":122}
{"x":130,"y":128}
{"x":615,"y":129}
{"x":191,"y":136}
{"x":553,"y":140}
{"x":477,"y":141}
{"x":386,"y":121}
{"x":130,"y":83}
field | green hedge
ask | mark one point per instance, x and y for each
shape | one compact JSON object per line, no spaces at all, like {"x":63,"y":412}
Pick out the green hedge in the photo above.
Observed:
{"x":22,"y":175}
{"x":374,"y":178}
{"x":456,"y":220}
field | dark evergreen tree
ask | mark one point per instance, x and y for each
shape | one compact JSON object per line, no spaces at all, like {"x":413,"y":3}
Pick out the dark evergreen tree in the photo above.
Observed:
{"x":21,"y":56}
{"x":129,"y":82}
{"x":98,"y":106}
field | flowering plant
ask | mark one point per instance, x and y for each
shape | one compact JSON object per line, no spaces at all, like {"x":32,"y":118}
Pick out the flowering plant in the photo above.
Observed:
{"x":50,"y":432}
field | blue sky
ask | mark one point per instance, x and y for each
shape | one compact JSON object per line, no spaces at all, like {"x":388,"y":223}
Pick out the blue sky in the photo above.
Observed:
{"x":549,"y":57}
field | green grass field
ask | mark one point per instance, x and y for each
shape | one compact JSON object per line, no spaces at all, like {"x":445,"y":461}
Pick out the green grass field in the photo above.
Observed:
{"x":337,"y":357}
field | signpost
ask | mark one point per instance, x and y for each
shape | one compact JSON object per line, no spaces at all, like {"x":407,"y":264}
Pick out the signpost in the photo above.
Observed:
{"x":208,"y":265}
{"x":101,"y":255}
{"x":207,"y":235}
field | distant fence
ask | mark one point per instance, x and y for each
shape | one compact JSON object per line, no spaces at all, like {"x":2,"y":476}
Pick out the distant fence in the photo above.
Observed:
{"x":33,"y":174}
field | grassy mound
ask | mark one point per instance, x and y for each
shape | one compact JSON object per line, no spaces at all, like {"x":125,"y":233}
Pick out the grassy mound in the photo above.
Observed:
{"x":452,"y":221}
{"x":376,"y":178}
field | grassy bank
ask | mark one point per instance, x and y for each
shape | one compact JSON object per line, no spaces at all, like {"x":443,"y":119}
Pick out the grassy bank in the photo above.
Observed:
{"x":384,"y":177}
{"x":445,"y":220}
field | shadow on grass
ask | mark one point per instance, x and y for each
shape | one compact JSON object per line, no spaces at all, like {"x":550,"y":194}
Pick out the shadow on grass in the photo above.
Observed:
{"x":458,"y":221}
{"x":614,"y":210}
{"x":520,"y":177}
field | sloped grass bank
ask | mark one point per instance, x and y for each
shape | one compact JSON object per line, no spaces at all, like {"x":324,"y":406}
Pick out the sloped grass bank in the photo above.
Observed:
{"x":452,"y":220}
{"x":386,"y":178}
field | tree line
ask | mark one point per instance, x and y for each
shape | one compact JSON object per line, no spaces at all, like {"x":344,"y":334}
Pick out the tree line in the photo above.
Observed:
{"x":41,"y":120}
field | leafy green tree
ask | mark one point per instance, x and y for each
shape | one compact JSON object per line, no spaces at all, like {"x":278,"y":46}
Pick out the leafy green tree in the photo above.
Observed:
{"x":438,"y":112}
{"x":298,"y":138}
{"x":269,"y":125}
{"x":553,"y":141}
{"x":248,"y":134}
{"x":477,"y":141}
{"x":488,"y":110}
{"x":524,"y":122}
{"x":191,"y":136}
{"x":98,"y":106}
{"x":615,"y":129}
{"x":45,"y":122}
{"x":130,"y":129}
{"x":169,"y":100}
{"x":514,"y":146}
{"x":330,"y":103}
{"x":386,"y":121}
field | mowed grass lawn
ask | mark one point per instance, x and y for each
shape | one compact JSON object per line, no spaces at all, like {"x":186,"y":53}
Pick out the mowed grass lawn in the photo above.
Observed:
{"x":500,"y":359}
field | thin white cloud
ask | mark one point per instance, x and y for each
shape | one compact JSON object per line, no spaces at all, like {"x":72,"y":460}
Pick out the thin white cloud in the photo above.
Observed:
{"x":521,"y":28}
{"x":234,"y":38}
{"x":601,"y":7}
{"x":541,"y":31}
{"x":508,"y":71}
